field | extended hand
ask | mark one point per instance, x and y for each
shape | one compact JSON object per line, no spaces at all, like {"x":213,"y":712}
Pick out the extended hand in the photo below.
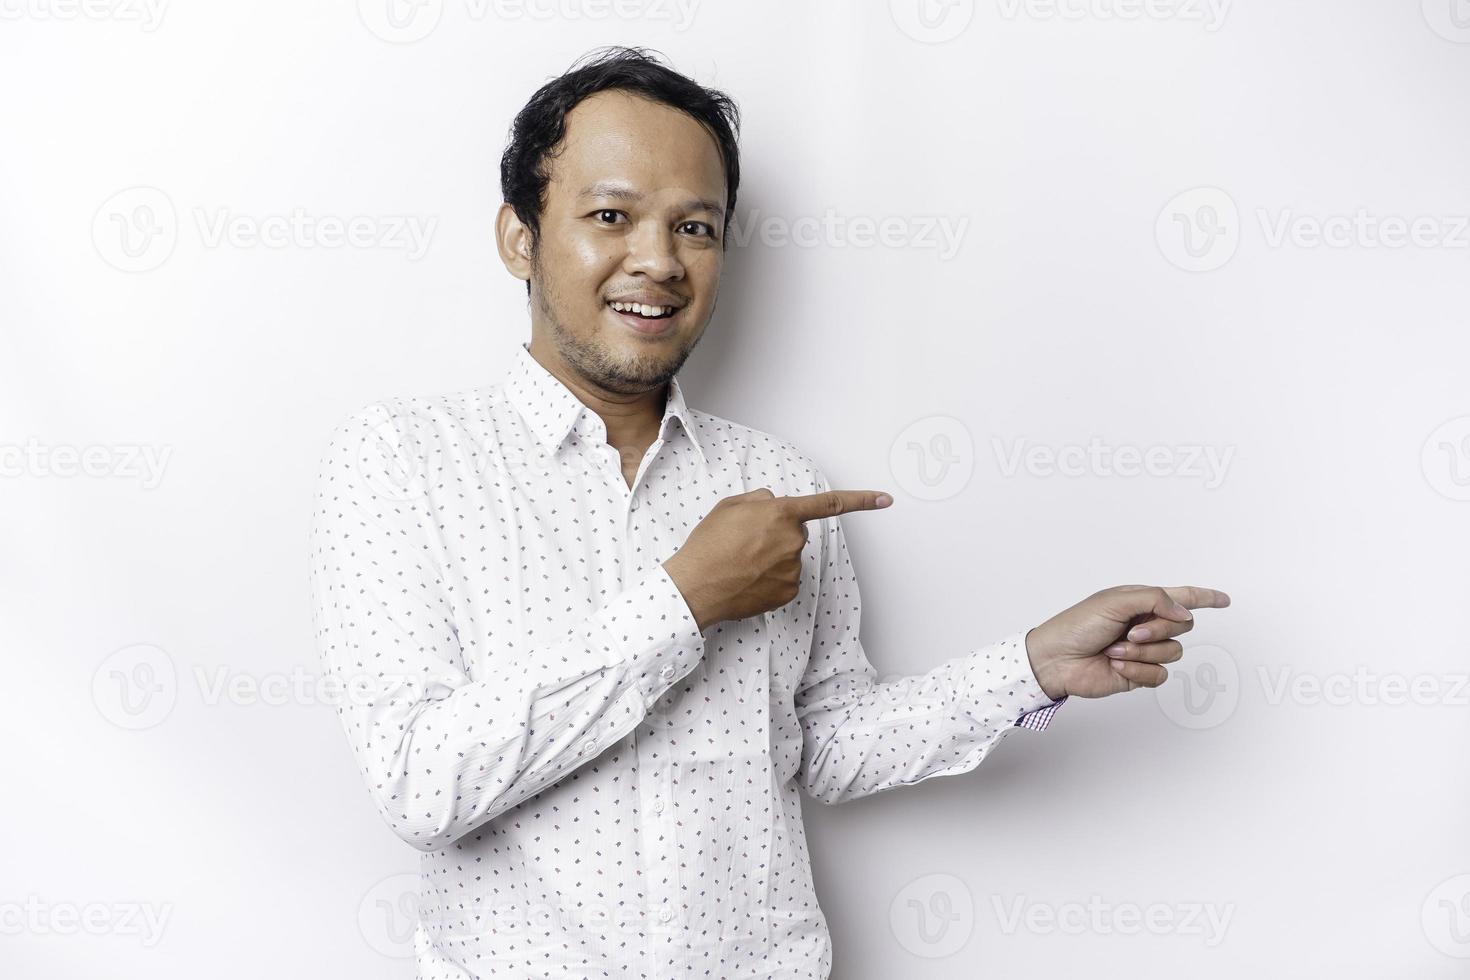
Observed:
{"x":745,"y":556}
{"x":1116,"y":640}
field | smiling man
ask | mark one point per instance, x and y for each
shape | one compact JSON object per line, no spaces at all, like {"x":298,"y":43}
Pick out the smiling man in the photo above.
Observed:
{"x":599,"y":642}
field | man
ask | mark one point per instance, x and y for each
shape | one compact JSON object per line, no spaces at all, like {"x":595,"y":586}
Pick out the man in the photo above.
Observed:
{"x":601,"y":640}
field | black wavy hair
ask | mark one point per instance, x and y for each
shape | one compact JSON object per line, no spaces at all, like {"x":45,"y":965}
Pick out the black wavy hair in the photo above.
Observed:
{"x":541,"y":123}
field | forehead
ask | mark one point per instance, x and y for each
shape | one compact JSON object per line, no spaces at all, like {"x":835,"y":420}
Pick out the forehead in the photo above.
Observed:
{"x":617,"y":136}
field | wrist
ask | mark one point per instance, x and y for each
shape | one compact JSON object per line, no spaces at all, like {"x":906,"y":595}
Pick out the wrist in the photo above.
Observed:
{"x":702,"y":611}
{"x":1043,"y":667}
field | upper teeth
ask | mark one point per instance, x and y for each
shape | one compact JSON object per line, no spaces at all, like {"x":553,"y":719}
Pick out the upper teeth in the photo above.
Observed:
{"x":642,"y":309}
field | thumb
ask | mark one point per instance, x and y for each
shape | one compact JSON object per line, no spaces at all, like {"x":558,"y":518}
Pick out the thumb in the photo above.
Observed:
{"x":1144,"y":600}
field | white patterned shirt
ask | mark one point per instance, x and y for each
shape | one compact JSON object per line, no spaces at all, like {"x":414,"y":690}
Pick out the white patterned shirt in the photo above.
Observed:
{"x":597,"y":788}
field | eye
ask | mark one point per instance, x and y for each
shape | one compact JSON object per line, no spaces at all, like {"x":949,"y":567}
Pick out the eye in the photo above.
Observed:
{"x":603,"y":216}
{"x":701,"y":228}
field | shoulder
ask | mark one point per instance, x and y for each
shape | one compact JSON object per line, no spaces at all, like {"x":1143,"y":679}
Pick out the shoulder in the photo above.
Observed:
{"x":402,"y":415}
{"x":390,"y":433}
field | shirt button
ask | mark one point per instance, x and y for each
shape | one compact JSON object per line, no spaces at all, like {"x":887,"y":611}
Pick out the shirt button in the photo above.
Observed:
{"x":588,"y":746}
{"x":667,"y":673}
{"x":635,"y":503}
{"x":658,"y":806}
{"x":666,"y":913}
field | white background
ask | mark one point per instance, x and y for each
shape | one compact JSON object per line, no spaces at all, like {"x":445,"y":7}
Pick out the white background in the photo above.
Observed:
{"x":1327,"y":830}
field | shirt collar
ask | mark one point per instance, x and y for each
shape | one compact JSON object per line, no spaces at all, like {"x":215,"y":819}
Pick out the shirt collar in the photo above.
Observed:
{"x":552,"y":411}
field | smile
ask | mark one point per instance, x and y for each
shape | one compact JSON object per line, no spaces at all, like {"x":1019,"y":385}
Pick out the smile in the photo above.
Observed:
{"x":644,"y":310}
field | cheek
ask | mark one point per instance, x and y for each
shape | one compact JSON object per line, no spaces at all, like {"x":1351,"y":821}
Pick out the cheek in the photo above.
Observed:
{"x":582,"y":259}
{"x":702,"y":270}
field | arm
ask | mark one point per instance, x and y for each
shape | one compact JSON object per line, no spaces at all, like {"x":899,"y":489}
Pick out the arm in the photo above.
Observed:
{"x":443,"y":754}
{"x":862,"y":737}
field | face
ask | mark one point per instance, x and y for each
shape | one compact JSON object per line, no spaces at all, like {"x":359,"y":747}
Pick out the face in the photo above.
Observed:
{"x":633,"y":215}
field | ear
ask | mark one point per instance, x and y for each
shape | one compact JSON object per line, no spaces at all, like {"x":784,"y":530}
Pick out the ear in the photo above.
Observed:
{"x":513,"y":241}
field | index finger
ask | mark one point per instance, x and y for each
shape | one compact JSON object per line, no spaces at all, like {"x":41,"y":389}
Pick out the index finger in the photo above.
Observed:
{"x":1195,"y":597}
{"x":831,"y":503}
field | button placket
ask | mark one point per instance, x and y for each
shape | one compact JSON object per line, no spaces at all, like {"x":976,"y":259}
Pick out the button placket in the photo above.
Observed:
{"x":655,"y":783}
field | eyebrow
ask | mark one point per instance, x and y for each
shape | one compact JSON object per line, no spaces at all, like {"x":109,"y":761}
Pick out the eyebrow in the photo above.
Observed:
{"x":622,"y":192}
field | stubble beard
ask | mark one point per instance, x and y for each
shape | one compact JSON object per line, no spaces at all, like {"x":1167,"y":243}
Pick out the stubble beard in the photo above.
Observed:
{"x":597,"y":361}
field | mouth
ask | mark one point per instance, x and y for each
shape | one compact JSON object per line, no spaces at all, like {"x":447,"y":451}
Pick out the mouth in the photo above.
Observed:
{"x":645,"y":318}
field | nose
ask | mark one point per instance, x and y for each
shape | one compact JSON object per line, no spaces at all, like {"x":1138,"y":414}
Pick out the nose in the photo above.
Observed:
{"x":651,"y":252}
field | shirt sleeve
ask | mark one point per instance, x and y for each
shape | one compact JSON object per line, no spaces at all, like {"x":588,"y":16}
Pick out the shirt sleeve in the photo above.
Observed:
{"x":441,"y":753}
{"x":860,"y":736}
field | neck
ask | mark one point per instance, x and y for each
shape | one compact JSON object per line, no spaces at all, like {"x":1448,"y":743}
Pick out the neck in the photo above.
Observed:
{"x":632,"y":419}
